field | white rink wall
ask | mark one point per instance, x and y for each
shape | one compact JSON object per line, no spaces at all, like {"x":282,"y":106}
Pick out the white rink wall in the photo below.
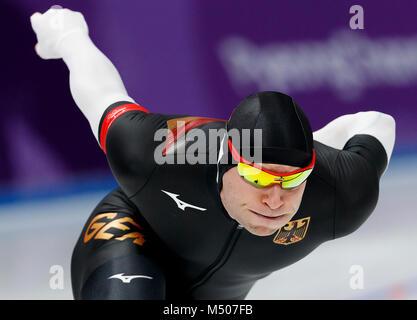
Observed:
{"x":37,"y":234}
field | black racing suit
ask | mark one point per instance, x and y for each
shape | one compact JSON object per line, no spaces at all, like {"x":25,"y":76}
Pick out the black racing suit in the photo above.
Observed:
{"x":167,"y":226}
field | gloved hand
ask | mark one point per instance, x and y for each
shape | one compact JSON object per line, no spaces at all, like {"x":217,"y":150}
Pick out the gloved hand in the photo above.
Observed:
{"x":53,"y":26}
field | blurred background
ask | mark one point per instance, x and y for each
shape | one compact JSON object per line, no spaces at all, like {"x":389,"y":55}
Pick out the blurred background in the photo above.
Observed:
{"x":201,"y":58}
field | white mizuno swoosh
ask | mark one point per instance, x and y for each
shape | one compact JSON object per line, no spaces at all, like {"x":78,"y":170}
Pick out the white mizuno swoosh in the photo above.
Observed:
{"x":127,"y":279}
{"x":181,"y":204}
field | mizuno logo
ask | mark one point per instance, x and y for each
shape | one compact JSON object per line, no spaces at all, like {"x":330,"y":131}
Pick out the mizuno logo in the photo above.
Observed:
{"x":181,"y":204}
{"x":127,"y":279}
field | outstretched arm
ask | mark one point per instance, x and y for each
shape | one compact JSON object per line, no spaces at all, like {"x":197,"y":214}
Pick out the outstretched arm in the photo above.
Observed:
{"x":377,"y":124}
{"x":94,"y":81}
{"x":366,"y":140}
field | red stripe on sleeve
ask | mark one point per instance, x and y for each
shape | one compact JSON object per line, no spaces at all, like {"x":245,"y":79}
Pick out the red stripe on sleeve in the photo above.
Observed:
{"x":174,"y":135}
{"x":113,"y":115}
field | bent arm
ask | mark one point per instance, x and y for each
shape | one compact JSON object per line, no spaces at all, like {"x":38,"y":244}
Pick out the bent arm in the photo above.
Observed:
{"x":377,"y":124}
{"x":94,"y":81}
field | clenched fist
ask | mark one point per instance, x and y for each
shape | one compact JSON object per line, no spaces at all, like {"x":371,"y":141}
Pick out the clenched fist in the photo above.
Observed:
{"x":52,"y":27}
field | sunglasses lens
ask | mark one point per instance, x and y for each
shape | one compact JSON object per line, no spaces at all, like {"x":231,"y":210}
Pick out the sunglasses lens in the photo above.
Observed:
{"x":295,"y":180}
{"x":252,"y":175}
{"x":261,"y":179}
{"x":256,"y":182}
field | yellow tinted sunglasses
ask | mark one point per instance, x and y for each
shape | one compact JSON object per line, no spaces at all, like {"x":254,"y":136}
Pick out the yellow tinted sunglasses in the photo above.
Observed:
{"x":261,"y":178}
